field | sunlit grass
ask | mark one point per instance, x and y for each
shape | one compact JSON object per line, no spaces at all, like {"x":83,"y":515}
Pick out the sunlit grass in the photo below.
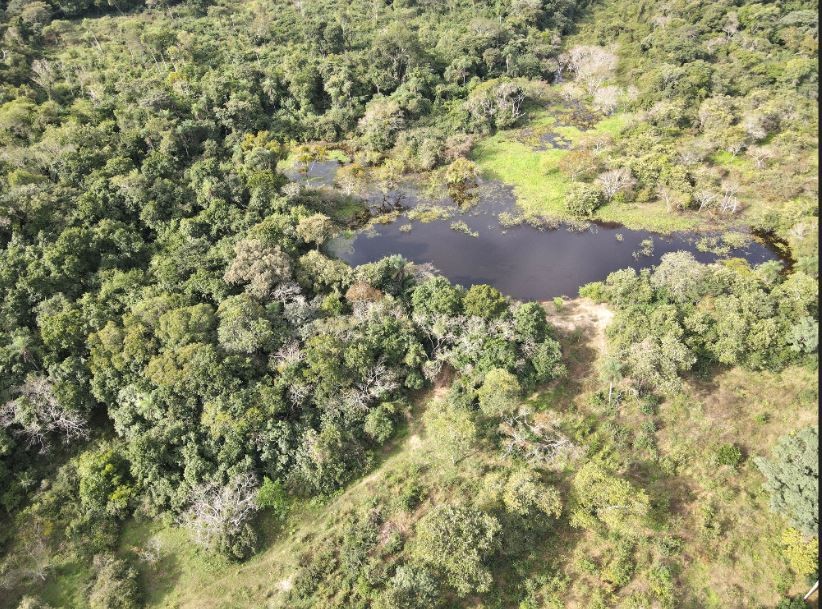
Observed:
{"x":540,"y":186}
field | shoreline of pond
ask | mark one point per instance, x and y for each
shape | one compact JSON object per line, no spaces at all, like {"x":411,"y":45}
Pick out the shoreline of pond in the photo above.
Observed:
{"x":491,"y":241}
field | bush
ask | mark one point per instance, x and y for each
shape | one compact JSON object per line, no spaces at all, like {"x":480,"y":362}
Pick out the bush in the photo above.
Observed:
{"x":582,"y":200}
{"x":559,"y":303}
{"x":792,"y":603}
{"x":411,"y":587}
{"x":272,"y":496}
{"x":729,"y":454}
{"x":459,"y":541}
{"x":378,"y":423}
{"x":115,"y":584}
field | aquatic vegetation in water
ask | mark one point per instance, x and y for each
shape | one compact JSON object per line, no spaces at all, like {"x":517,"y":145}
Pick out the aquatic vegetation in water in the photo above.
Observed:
{"x":406,"y":228}
{"x":507,"y":219}
{"x":386,"y":218}
{"x":429,"y":213}
{"x":646,"y":248}
{"x":713,"y":245}
{"x":736,"y":239}
{"x":542,"y":222}
{"x":462,"y":227}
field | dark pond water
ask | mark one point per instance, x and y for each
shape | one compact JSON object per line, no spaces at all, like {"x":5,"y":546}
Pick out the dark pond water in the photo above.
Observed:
{"x":522,"y":261}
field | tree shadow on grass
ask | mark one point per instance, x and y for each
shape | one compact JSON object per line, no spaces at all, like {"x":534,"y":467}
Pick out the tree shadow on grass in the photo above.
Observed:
{"x":159,"y":579}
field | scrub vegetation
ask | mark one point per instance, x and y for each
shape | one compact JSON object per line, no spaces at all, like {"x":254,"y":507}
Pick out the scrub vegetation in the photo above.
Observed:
{"x":201,"y":407}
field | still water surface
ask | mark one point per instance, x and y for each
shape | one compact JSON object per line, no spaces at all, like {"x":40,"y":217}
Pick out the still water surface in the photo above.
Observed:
{"x":521,"y":261}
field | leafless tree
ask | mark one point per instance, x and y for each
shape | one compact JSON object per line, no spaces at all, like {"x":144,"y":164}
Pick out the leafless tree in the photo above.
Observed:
{"x":43,"y":74}
{"x":538,"y":443}
{"x":669,"y":197}
{"x":591,"y":64}
{"x":705,"y":198}
{"x":606,"y":99}
{"x":614,"y":181}
{"x":289,"y":354}
{"x":151,"y":552}
{"x":219,"y":511}
{"x":36,"y":414}
{"x":755,"y":126}
{"x":760,"y":155}
{"x":729,"y":202}
{"x":292,"y":190}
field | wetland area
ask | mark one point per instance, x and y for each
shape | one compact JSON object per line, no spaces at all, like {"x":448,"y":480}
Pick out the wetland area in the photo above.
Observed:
{"x":489,"y":242}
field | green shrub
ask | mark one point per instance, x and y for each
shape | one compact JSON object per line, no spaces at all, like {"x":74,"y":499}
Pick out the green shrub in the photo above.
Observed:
{"x":411,"y":587}
{"x":559,"y":303}
{"x":582,"y":199}
{"x":459,"y":541}
{"x":115,"y":584}
{"x":272,"y":496}
{"x":729,"y":454}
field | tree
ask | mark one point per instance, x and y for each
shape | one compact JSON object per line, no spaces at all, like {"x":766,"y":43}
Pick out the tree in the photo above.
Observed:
{"x":320,"y":272}
{"x":680,"y":276}
{"x":262,"y":267}
{"x":499,"y":394}
{"x":458,"y":541}
{"x":186,"y":325}
{"x":656,"y":362}
{"x":379,"y":126}
{"x":600,"y":497}
{"x":243,"y":327}
{"x":436,"y":296}
{"x":316,"y":228}
{"x":792,"y":478}
{"x":484,"y":301}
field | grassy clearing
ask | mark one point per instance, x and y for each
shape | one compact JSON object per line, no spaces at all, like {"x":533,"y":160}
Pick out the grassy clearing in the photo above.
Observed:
{"x":538,"y":184}
{"x":513,"y":158}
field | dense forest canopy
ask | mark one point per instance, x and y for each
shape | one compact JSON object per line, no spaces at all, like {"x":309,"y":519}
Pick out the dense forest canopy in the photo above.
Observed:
{"x":177,"y":346}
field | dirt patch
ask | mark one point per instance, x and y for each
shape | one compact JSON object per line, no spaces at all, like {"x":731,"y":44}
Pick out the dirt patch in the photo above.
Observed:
{"x":582,"y":314}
